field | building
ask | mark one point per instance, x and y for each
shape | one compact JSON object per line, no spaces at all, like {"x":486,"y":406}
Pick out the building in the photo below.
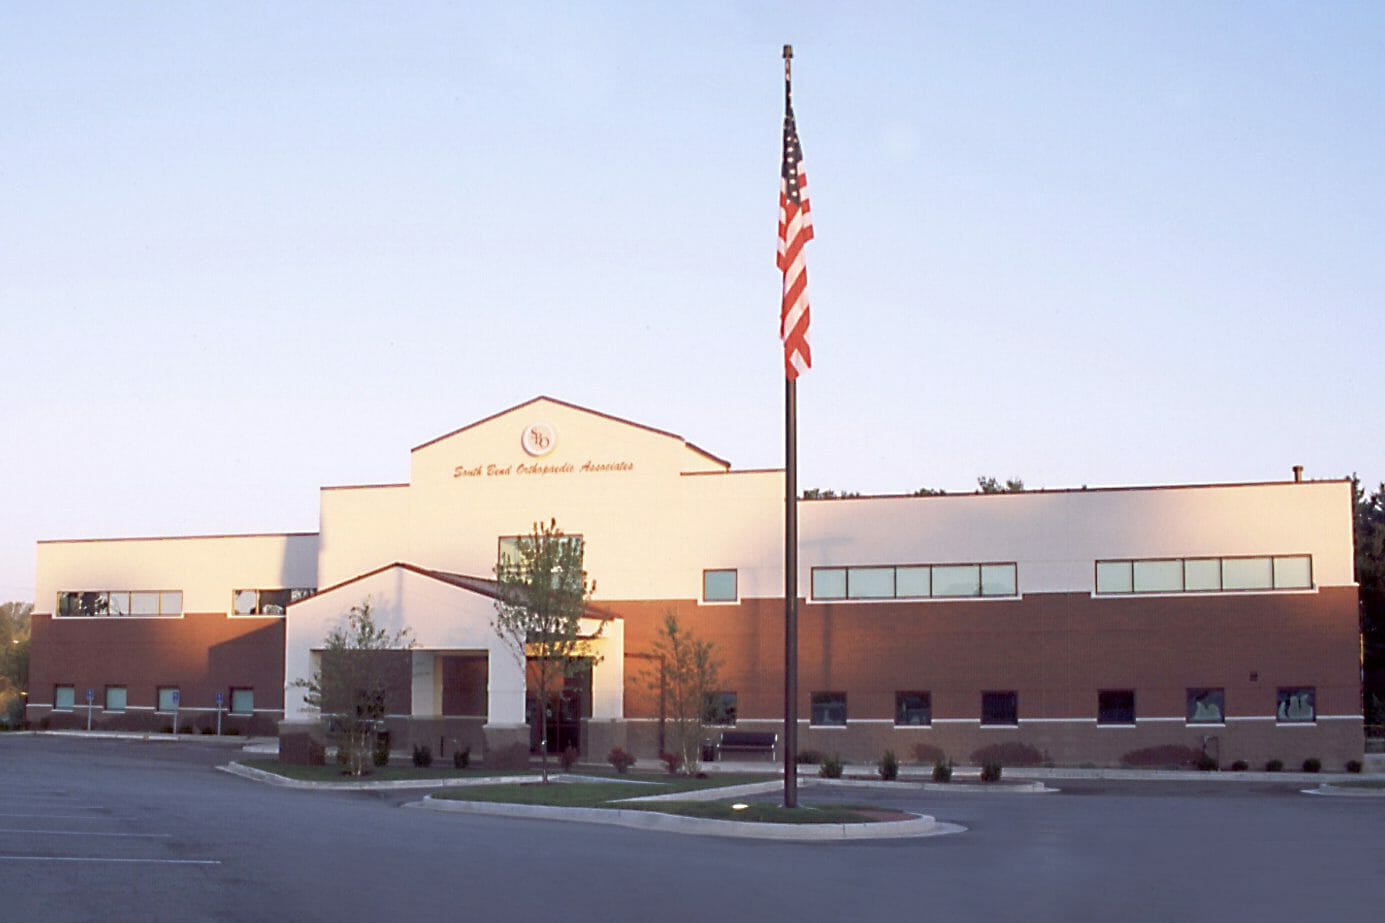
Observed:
{"x":1071,"y":626}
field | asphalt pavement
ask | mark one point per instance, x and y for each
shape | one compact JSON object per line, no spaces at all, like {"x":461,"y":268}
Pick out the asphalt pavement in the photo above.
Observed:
{"x":129,"y":830}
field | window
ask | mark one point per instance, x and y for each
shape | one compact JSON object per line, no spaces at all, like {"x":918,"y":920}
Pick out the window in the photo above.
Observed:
{"x":915,"y":581}
{"x":120,"y":604}
{"x":1247,"y":574}
{"x":267,"y":602}
{"x":829,"y":709}
{"x":829,"y":583}
{"x":168,"y":698}
{"x":115,"y":698}
{"x":242,"y":701}
{"x":1205,"y":575}
{"x":1206,"y":706}
{"x":1158,"y":576}
{"x":1000,"y":708}
{"x":1297,"y":706}
{"x":509,"y":556}
{"x":1115,"y":706}
{"x":913,"y":709}
{"x":1113,"y":577}
{"x":721,"y":708}
{"x":719,"y":586}
{"x":64,"y":698}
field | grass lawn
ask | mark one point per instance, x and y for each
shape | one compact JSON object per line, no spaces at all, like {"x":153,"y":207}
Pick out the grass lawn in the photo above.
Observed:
{"x":609,"y":795}
{"x":1364,"y":783}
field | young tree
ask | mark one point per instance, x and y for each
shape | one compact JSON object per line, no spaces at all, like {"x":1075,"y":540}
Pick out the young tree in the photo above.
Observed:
{"x":543,"y":594}
{"x":349,"y":687}
{"x":685,"y":678}
{"x":14,"y":660}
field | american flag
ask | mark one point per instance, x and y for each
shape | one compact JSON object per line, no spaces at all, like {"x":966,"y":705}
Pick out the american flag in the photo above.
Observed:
{"x":795,"y":230}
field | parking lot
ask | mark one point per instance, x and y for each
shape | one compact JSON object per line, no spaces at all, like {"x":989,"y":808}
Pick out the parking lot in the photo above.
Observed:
{"x":127,"y":830}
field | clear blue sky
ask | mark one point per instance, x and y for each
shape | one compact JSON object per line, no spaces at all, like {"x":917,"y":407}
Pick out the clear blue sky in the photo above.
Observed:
{"x":250,"y":249}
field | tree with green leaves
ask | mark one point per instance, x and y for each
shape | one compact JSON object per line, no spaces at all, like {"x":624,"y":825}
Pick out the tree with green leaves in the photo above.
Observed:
{"x":989,"y":485}
{"x":1370,"y":577}
{"x":685,"y":677}
{"x":542,"y":596}
{"x":14,"y":660}
{"x":348,"y":689}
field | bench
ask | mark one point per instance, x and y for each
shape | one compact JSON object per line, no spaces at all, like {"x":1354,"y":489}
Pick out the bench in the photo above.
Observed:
{"x":765,"y":742}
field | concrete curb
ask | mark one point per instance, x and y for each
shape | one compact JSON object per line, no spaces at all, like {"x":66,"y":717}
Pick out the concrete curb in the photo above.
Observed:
{"x":918,"y":774}
{"x":989,"y":788}
{"x":225,"y":740}
{"x":1337,"y":791}
{"x":920,"y":826}
{"x":259,"y":775}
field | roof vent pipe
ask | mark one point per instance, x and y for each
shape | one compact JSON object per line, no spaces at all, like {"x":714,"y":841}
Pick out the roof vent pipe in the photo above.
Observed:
{"x":1298,"y":474}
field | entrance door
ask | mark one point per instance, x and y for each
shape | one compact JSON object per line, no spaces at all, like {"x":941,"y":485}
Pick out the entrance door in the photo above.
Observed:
{"x":562,"y":714}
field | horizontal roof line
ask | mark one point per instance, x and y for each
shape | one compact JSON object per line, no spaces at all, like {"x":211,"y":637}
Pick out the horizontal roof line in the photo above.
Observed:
{"x":174,"y":538}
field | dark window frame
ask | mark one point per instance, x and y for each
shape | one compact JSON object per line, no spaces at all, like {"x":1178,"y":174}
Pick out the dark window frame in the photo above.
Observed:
{"x":735,"y":583}
{"x":231,"y":700}
{"x":901,"y":712}
{"x":819,"y":702}
{"x":995,"y":717}
{"x":718,"y":714}
{"x":106,"y":699}
{"x":1194,"y":693}
{"x":847,"y":596}
{"x":1284,"y":694}
{"x":1115,"y":707}
{"x":1221,"y":572}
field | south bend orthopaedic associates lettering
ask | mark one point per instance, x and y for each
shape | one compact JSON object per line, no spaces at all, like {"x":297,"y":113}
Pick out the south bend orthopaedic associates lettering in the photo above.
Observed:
{"x":537,"y":468}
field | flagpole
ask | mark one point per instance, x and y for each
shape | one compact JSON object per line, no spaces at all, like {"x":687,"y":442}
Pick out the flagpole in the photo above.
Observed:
{"x":790,"y":558}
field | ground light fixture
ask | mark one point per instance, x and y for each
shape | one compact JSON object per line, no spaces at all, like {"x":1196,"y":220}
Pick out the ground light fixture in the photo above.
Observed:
{"x":739,"y":806}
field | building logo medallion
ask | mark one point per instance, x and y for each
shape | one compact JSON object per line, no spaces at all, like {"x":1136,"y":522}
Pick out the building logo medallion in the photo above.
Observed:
{"x":538,"y":439}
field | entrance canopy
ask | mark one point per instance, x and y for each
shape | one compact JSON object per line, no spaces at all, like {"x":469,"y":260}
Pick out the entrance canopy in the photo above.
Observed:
{"x":443,"y":612}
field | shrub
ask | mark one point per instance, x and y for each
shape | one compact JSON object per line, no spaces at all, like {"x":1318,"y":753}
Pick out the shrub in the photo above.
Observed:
{"x":1274,"y":766}
{"x":381,"y":754}
{"x":1173,"y":756}
{"x":209,"y":730}
{"x":672,"y":762}
{"x":990,"y":772}
{"x":1011,"y":753}
{"x":1207,"y":763}
{"x":461,"y":758}
{"x":942,"y":772}
{"x":568,"y":758}
{"x":1312,"y":764}
{"x":888,"y":766}
{"x":831,"y":767}
{"x":186,"y":729}
{"x":232,"y":732}
{"x":166,"y":729}
{"x":423,"y":756}
{"x":621,"y":759}
{"x":1353,"y":765}
{"x":927,"y":753}
{"x":1240,"y":766}
{"x":811,"y":757}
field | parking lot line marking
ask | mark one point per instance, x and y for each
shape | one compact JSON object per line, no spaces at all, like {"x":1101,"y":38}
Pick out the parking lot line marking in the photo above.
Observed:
{"x":63,"y":816}
{"x":106,"y":859}
{"x":77,"y":832}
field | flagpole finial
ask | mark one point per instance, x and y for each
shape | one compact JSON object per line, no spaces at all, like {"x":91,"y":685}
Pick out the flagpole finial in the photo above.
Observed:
{"x":788,"y":52}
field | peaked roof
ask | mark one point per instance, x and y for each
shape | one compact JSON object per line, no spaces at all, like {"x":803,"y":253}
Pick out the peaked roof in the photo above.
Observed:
{"x":482,"y":586}
{"x":580,"y":409}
